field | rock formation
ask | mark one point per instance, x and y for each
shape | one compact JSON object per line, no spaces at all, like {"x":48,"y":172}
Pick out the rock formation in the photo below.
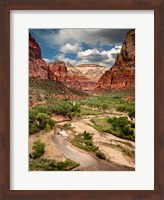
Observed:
{"x":37,"y":66}
{"x":92,"y":71}
{"x":70,"y":76}
{"x":122,"y":74}
{"x":85,"y":77}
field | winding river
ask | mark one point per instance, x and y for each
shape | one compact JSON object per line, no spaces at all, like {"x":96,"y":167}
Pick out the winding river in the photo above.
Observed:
{"x":87,"y":161}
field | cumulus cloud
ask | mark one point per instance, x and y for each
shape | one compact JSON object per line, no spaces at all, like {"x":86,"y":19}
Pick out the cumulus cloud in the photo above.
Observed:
{"x":59,"y":37}
{"x":70,"y":48}
{"x":47,"y":60}
{"x":61,"y":57}
{"x":76,"y":46}
{"x":106,"y":58}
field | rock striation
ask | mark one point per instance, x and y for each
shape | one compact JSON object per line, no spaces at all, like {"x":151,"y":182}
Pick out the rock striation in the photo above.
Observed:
{"x":92,"y":71}
{"x":70,"y":76}
{"x":37,"y":66}
{"x":122,"y":74}
{"x":87,"y":77}
{"x":56,"y":71}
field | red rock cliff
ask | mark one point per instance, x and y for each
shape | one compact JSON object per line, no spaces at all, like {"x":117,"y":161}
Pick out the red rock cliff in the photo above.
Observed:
{"x":57,"y":71}
{"x":122,"y":74}
{"x":69,"y":76}
{"x":37,"y":67}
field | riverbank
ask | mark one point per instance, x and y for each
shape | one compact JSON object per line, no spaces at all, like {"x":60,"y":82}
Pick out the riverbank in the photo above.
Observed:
{"x":116,"y":150}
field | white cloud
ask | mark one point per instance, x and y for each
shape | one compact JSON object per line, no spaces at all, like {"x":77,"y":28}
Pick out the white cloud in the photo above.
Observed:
{"x":59,"y":37}
{"x":47,"y":60}
{"x":69,"y":48}
{"x":106,"y":58}
{"x":61,"y":57}
{"x":89,"y":56}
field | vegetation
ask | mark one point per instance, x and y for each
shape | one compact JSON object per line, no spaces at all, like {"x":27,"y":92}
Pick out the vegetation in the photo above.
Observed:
{"x":39,"y":121}
{"x":85,"y":111}
{"x":64,"y":107}
{"x":109,"y":101}
{"x":125,"y":143}
{"x":67,"y":126}
{"x":44,"y":164}
{"x":101,"y":124}
{"x":125,"y":151}
{"x":46,"y":90}
{"x":39,"y":149}
{"x":39,"y":116}
{"x":100,"y":154}
{"x":85,"y":141}
{"x":121,"y":127}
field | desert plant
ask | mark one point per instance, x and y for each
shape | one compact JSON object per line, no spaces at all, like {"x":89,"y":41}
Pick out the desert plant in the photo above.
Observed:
{"x":39,"y":149}
{"x":100,"y":154}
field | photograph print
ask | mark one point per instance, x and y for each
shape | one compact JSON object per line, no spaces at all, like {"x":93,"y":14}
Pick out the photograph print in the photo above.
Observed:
{"x":81,"y":99}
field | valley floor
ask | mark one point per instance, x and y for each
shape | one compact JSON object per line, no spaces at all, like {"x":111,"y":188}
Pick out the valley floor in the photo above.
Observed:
{"x":119,"y":153}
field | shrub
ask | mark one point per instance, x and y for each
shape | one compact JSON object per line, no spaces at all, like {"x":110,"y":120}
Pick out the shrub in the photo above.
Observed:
{"x":64,"y":107}
{"x":133,"y":125}
{"x":87,"y":135}
{"x":44,"y":120}
{"x":41,"y":108}
{"x":100,"y":154}
{"x":39,"y":121}
{"x":39,"y":149}
{"x":67,"y":126}
{"x":122,"y":127}
{"x":84,"y":141}
{"x":44,"y":164}
{"x":104,"y":106}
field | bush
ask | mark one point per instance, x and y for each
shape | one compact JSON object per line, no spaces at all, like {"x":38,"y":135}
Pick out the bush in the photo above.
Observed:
{"x":122,"y":127}
{"x":129,"y":108}
{"x":100,"y":154}
{"x":44,"y":120}
{"x":64,"y":107}
{"x":67,"y":126}
{"x":110,"y":100}
{"x":39,"y":149}
{"x":85,"y":111}
{"x":44,"y":164}
{"x":87,"y":135}
{"x":84,"y":141}
{"x":39,"y":121}
{"x":41,"y":109}
{"x":133,"y":125}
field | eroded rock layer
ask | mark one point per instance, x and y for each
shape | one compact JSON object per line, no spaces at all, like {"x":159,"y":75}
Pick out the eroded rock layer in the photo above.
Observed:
{"x":37,"y":66}
{"x":122,"y":74}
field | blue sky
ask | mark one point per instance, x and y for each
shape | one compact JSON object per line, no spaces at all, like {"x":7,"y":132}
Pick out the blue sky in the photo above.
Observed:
{"x":80,"y":46}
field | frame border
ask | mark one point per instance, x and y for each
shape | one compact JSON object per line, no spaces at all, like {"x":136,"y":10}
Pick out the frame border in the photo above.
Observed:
{"x":5,"y":7}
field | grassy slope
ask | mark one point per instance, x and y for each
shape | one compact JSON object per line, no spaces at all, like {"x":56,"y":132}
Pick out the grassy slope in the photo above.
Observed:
{"x":110,"y":100}
{"x":45,"y":90}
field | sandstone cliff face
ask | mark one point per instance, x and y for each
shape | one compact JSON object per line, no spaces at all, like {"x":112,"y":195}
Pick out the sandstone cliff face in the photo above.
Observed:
{"x":69,"y":76}
{"x":122,"y":74}
{"x":56,"y":71}
{"x":85,"y":77}
{"x":92,"y":71}
{"x":37,"y":67}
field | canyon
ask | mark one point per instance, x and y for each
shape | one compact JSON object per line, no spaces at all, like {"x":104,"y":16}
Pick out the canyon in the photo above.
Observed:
{"x":83,"y":116}
{"x":87,"y":77}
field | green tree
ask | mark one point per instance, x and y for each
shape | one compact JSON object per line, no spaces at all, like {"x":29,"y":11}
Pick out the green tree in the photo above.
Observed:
{"x":39,"y":149}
